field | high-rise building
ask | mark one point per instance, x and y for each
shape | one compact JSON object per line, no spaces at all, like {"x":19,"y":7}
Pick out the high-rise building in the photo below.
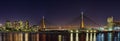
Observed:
{"x":26,"y":24}
{"x":110,"y":21}
{"x":14,"y":24}
{"x":20,"y":24}
{"x":8,"y":24}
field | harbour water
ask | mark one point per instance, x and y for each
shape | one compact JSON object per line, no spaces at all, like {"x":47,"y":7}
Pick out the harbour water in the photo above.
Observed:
{"x":19,"y":36}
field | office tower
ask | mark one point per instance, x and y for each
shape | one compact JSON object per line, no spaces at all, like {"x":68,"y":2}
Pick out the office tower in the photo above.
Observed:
{"x":26,"y":24}
{"x":8,"y":24}
{"x":15,"y":24}
{"x":110,"y":22}
{"x":20,"y":24}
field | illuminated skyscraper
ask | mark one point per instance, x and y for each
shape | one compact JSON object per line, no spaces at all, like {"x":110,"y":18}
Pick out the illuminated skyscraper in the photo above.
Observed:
{"x":14,"y":24}
{"x":110,"y":23}
{"x":8,"y":24}
{"x":21,"y":24}
{"x":26,"y":24}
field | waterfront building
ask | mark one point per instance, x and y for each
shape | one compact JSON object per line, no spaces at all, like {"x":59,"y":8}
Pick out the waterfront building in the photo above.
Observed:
{"x":20,"y":24}
{"x":26,"y":24}
{"x":8,"y":24}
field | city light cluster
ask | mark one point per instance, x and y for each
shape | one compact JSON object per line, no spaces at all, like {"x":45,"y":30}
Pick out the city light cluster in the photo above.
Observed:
{"x":18,"y":26}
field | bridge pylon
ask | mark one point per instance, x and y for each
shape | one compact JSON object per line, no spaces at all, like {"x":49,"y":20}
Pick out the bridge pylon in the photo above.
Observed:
{"x":82,"y":21}
{"x":42,"y":25}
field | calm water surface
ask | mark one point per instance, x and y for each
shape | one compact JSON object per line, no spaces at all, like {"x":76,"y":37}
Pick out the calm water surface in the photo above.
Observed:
{"x":109,"y":36}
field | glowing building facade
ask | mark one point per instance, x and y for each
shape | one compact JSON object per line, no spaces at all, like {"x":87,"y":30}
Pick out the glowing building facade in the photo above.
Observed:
{"x":27,"y":24}
{"x":110,"y":23}
{"x":21,"y":25}
{"x":8,"y":24}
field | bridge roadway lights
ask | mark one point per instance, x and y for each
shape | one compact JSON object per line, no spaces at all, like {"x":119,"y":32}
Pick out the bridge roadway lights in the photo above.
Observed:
{"x":94,"y":31}
{"x":77,"y":31}
{"x":71,"y":31}
{"x":74,"y":31}
{"x":91,"y":31}
{"x":71,"y":35}
{"x":87,"y":30}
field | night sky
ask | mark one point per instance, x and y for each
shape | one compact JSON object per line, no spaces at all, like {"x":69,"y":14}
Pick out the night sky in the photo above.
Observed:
{"x":58,"y":12}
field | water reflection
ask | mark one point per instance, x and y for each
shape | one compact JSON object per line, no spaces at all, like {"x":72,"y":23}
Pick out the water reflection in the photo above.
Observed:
{"x":90,"y":36}
{"x":100,"y":37}
{"x":87,"y":36}
{"x":118,"y":36}
{"x":77,"y":36}
{"x":59,"y":37}
{"x":34,"y":37}
{"x":44,"y":37}
{"x":109,"y":36}
{"x":71,"y":36}
{"x":0,"y":37}
{"x":26,"y":37}
{"x":94,"y":38}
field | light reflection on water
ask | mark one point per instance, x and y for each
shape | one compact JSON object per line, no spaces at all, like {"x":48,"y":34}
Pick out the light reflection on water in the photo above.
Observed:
{"x":26,"y":37}
{"x":71,"y":36}
{"x":109,"y":36}
{"x":118,"y":36}
{"x":94,"y":38}
{"x":60,"y":37}
{"x":87,"y":36}
{"x":77,"y":36}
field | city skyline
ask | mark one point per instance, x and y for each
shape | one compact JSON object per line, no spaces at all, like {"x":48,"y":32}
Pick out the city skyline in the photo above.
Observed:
{"x":59,"y":20}
{"x":58,"y":12}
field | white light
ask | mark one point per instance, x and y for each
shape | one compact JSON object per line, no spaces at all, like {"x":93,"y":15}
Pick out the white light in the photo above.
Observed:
{"x":91,"y":31}
{"x":95,"y":31}
{"x":87,"y":31}
{"x":71,"y":30}
{"x":101,"y":28}
{"x":77,"y":31}
{"x":116,"y":28}
{"x":110,"y":29}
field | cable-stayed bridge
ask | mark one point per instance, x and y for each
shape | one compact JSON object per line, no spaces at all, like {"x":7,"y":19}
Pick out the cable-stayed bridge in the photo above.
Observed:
{"x":80,"y":23}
